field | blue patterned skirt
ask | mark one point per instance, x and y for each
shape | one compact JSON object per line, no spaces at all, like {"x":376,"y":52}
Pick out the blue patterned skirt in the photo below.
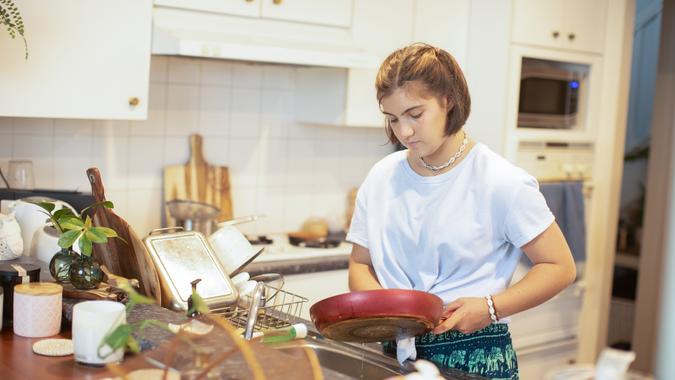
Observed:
{"x":487,"y":352}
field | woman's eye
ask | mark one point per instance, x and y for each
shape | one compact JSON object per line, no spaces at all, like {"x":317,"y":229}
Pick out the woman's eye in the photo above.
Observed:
{"x":417,"y":116}
{"x":392,"y":121}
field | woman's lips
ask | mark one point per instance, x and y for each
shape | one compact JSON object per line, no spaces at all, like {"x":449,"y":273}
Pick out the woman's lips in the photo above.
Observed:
{"x":413,"y":144}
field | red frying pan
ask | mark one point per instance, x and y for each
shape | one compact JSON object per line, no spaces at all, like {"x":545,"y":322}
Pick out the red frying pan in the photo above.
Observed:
{"x":376,"y":315}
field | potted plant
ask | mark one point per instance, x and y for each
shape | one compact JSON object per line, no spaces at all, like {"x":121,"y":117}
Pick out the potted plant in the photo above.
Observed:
{"x":10,"y":19}
{"x":67,"y":265}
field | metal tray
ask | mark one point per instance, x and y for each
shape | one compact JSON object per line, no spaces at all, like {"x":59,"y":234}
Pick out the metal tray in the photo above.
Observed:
{"x":183,"y":256}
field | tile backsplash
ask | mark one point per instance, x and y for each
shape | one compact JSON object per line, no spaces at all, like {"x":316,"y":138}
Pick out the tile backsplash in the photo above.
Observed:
{"x":286,"y":170}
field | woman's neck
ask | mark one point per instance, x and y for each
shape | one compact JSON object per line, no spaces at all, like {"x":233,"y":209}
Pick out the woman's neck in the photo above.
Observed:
{"x":448,"y":148}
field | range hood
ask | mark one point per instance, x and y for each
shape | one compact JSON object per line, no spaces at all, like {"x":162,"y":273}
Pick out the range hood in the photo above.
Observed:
{"x":208,"y":35}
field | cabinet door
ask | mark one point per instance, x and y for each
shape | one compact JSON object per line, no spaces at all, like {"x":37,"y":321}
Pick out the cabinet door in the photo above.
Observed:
{"x":87,"y":59}
{"x":324,"y":12}
{"x":566,"y":24}
{"x":390,"y":30}
{"x":538,"y":22}
{"x":584,"y":25}
{"x":250,"y":8}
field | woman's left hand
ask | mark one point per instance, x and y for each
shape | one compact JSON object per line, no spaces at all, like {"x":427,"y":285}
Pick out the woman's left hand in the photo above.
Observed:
{"x":465,"y":315}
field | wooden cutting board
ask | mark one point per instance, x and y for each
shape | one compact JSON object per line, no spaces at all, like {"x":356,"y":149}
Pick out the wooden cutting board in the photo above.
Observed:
{"x":128,"y":258}
{"x":199,"y":181}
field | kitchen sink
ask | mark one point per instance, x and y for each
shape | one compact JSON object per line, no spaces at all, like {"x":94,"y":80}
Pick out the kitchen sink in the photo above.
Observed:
{"x":357,"y":361}
{"x":346,"y":361}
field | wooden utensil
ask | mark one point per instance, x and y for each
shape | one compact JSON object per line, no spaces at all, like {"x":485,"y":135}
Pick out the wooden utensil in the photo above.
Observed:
{"x":377,"y":315}
{"x":127,"y":258}
{"x":198,"y":181}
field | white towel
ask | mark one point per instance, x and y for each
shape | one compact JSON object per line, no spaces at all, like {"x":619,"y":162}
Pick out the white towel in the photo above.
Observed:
{"x":405,"y":349}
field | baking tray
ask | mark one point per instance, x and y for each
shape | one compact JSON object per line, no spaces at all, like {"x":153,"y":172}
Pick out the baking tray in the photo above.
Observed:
{"x":182,"y":257}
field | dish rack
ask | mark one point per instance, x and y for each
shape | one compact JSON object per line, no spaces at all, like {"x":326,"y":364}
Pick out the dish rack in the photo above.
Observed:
{"x":279,"y":309}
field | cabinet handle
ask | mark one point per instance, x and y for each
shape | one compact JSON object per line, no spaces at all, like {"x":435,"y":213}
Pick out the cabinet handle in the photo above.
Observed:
{"x":134,"y":101}
{"x":571,"y":36}
{"x":555,"y":34}
{"x":249,"y":1}
{"x":277,"y":2}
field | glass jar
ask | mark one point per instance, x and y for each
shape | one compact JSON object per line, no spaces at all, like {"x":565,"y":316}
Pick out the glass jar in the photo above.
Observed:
{"x":85,"y":272}
{"x":59,"y":265}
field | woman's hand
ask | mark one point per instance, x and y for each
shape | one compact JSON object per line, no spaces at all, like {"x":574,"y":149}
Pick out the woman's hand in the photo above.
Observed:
{"x":465,"y":315}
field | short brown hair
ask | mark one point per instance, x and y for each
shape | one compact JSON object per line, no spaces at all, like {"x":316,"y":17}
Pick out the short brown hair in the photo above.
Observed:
{"x":434,"y":68}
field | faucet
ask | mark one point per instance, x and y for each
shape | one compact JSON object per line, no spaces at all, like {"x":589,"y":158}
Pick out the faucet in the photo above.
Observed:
{"x":257,"y":300}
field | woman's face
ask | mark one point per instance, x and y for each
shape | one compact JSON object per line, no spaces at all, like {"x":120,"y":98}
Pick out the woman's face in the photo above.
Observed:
{"x":417,"y":119}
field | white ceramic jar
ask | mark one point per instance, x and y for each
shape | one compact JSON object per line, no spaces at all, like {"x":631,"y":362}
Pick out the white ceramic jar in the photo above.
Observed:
{"x":37,"y":309}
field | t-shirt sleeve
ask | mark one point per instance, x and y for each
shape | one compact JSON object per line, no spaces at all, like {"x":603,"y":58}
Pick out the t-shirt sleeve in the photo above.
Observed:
{"x":358,"y":229}
{"x":528,"y":215}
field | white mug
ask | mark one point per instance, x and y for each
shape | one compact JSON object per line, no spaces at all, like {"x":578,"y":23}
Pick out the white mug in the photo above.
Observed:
{"x":92,"y":321}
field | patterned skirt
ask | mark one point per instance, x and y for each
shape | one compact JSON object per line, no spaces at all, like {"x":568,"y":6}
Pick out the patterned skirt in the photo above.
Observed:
{"x":487,"y":352}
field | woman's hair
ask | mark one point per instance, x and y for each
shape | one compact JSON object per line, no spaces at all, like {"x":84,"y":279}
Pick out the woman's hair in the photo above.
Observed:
{"x":436,"y":70}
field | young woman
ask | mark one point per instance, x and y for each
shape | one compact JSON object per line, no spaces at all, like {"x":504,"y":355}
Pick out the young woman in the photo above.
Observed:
{"x":450,"y":217}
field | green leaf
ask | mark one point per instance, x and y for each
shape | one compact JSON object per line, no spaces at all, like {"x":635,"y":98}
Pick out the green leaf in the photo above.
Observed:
{"x":109,"y":232}
{"x":85,"y":245}
{"x":58,"y":214}
{"x":71,"y":223}
{"x":133,"y":345}
{"x":135,"y":298}
{"x":45,"y":205}
{"x":95,"y":235}
{"x":106,"y":204}
{"x":68,"y":238}
{"x":87,"y":223}
{"x":118,"y":338}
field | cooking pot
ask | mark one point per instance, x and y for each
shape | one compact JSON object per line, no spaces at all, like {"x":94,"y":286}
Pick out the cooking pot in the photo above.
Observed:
{"x":377,"y":315}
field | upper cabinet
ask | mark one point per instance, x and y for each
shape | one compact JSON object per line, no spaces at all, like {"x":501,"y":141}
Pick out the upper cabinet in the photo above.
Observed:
{"x":324,"y":12}
{"x":81,"y":62}
{"x":563,"y":24}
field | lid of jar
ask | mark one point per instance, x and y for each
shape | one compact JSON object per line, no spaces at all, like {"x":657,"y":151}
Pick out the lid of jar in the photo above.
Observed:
{"x":39,"y":288}
{"x":7,"y":269}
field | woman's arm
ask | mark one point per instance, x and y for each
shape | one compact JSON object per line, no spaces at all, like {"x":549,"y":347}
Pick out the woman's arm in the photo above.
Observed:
{"x":553,"y":271}
{"x":361,"y":272}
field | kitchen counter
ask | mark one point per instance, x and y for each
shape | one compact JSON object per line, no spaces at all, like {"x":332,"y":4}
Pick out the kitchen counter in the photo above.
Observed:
{"x":282,"y":257}
{"x":17,"y":361}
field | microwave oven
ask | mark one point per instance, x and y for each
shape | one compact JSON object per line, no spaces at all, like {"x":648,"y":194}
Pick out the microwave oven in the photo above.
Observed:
{"x":550,"y":94}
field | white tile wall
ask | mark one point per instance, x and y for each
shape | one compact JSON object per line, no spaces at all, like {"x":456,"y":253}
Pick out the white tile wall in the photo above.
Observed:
{"x":280,"y":168}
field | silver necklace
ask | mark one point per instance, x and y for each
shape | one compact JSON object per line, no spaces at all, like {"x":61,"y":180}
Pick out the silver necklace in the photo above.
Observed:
{"x":452,"y":159}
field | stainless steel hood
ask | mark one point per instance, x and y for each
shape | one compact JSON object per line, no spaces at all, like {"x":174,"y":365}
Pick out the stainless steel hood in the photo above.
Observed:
{"x":208,"y":35}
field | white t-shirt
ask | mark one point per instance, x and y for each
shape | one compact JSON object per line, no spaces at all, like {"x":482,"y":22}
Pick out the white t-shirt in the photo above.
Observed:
{"x":454,"y":235}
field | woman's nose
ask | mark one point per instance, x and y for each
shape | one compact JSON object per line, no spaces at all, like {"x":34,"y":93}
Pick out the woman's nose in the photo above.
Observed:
{"x":406,"y":130}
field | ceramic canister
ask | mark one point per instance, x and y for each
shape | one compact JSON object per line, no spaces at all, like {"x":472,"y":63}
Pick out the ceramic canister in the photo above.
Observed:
{"x":13,"y":273}
{"x":37,"y":309}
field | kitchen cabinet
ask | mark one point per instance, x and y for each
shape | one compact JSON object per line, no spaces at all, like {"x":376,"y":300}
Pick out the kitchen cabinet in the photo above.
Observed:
{"x":349,"y":97}
{"x":325,"y":12}
{"x":561,"y":24}
{"x":317,"y":286}
{"x":81,"y":62}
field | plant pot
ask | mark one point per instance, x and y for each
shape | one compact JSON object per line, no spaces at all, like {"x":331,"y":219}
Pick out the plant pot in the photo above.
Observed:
{"x":85,"y":273}
{"x":59,"y":265}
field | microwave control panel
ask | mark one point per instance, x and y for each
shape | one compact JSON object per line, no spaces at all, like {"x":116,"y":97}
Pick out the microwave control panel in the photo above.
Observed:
{"x":556,"y":161}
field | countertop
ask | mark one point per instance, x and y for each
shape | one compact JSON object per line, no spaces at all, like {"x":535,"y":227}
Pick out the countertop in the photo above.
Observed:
{"x":282,"y":257}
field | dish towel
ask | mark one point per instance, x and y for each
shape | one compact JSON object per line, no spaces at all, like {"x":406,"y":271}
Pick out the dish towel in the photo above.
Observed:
{"x":405,"y":349}
{"x":566,"y":201}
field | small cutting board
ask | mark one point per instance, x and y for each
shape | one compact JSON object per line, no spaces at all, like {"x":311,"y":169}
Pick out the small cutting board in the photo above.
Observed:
{"x":128,"y":257}
{"x":199,"y":181}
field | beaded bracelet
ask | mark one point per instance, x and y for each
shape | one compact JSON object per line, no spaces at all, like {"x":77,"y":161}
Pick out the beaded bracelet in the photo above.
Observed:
{"x":491,"y":308}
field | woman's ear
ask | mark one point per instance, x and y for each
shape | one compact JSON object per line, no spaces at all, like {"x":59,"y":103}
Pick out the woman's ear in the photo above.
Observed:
{"x":449,"y":105}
